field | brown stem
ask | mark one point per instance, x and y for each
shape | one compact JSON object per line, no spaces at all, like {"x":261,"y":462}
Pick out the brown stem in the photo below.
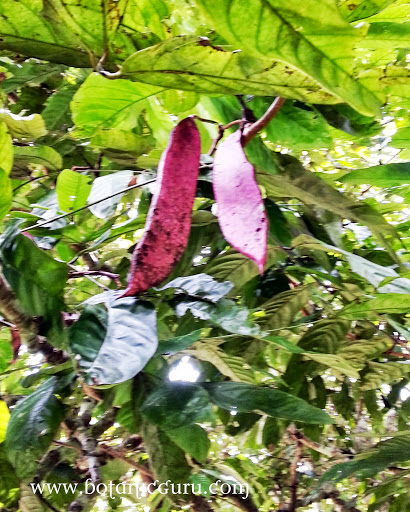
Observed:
{"x":260,"y":124}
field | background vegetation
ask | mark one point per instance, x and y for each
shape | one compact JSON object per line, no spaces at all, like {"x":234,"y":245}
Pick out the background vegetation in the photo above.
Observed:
{"x":295,"y":382}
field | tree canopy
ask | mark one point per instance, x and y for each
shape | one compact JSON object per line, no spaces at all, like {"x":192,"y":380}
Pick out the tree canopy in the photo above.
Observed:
{"x":146,"y":336}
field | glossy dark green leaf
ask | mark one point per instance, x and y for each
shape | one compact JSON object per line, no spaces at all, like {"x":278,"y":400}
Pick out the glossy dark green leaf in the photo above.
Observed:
{"x":177,"y":404}
{"x":178,"y":343}
{"x":130,"y":341}
{"x":87,"y":335}
{"x":200,"y":285}
{"x":33,"y":424}
{"x":243,"y":397}
{"x":36,"y":277}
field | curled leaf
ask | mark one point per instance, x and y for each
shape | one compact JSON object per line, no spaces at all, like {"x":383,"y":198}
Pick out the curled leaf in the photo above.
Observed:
{"x":169,"y":216}
{"x":241,"y":213}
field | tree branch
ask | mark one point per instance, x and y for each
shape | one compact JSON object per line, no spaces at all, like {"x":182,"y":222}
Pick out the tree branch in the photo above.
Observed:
{"x":26,"y":326}
{"x":259,"y":125}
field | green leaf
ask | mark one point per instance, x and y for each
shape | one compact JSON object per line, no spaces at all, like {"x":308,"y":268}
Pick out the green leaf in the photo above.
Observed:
{"x":225,"y":314}
{"x":122,"y":146}
{"x":316,"y":41}
{"x":335,"y":362}
{"x":57,"y":113}
{"x":390,"y":175}
{"x":246,"y":398}
{"x":38,"y":155}
{"x":200,"y":285}
{"x":401,"y":140}
{"x":174,"y":345}
{"x":280,"y":311}
{"x":381,"y":303}
{"x":192,"y":64}
{"x":102,"y":104}
{"x":24,"y":128}
{"x":6,"y":194}
{"x":383,"y":373}
{"x":384,"y":454}
{"x":296,"y":181}
{"x":6,"y":150}
{"x":387,"y":35}
{"x":232,"y":367}
{"x":167,"y":460}
{"x":130,"y":341}
{"x":193,"y":439}
{"x":72,"y":190}
{"x":362,"y":9}
{"x":87,"y":335}
{"x":177,"y":404}
{"x":36,"y":278}
{"x":33,"y":424}
{"x":105,"y":186}
{"x":295,"y":128}
{"x":239,"y":269}
{"x":8,"y":477}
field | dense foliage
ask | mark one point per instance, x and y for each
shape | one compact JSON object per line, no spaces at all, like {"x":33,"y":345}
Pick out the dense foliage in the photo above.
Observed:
{"x":292,"y":383}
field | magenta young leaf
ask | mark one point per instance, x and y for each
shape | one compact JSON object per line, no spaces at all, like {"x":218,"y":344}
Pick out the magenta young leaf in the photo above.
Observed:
{"x":169,"y":217}
{"x":241,"y":213}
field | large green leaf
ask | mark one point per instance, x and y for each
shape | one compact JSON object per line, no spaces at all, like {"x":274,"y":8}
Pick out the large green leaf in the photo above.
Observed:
{"x":130,"y":341}
{"x":24,"y":128}
{"x":177,"y":404}
{"x":362,"y":9}
{"x":246,"y":398}
{"x":192,"y":64}
{"x":295,"y":181}
{"x":102,"y":103}
{"x":390,"y":175}
{"x":33,"y":424}
{"x":72,"y":190}
{"x":316,"y":41}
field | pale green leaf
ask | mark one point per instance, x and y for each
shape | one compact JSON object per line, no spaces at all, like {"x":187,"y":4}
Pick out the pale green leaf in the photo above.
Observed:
{"x":315,"y":40}
{"x":38,"y":155}
{"x":102,"y":104}
{"x":387,"y":35}
{"x":389,"y":175}
{"x":360,"y":9}
{"x":382,"y":303}
{"x":190,"y":64}
{"x":24,"y":128}
{"x":72,"y":190}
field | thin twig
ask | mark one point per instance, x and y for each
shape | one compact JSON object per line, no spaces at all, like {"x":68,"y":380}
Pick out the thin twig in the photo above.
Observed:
{"x":293,"y":482}
{"x":260,"y":124}
{"x":58,"y":217}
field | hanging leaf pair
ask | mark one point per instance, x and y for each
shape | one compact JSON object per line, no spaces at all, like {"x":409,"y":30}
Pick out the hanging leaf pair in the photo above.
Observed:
{"x":240,"y":206}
